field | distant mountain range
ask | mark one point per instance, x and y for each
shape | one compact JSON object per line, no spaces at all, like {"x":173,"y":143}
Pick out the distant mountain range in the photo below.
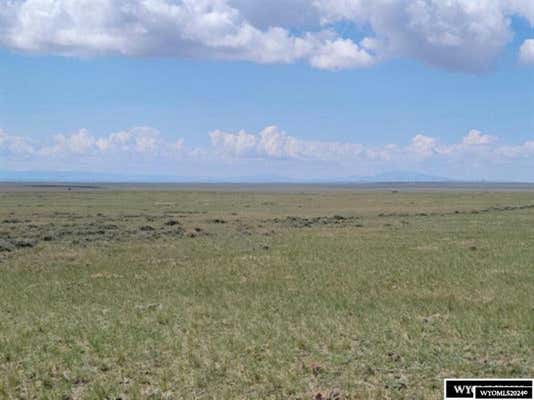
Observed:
{"x":90,"y":177}
{"x":71,"y":176}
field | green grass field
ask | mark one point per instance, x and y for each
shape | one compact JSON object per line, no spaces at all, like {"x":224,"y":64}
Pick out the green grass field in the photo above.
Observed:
{"x":312,"y":294}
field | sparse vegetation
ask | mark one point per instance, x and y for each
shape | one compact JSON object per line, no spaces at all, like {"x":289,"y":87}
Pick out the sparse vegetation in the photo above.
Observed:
{"x":316,"y":294}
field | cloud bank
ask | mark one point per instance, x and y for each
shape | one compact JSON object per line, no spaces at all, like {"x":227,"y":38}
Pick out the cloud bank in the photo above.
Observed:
{"x":143,"y":150}
{"x":463,"y":35}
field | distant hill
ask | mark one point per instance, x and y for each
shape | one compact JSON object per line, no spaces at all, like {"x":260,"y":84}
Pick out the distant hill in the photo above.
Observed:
{"x":402,"y":176}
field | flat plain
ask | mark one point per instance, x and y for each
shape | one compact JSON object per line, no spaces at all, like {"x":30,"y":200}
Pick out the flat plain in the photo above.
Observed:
{"x":252,"y":292}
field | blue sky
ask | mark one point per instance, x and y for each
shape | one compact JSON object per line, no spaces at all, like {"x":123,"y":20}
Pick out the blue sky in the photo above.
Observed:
{"x":356,"y":95}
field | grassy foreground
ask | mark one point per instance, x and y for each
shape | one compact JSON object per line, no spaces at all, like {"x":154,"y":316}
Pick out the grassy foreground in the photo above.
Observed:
{"x":262,"y":295}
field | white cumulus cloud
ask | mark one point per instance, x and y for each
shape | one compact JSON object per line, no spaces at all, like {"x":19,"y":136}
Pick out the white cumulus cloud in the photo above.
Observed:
{"x":14,"y":145}
{"x":140,"y":140}
{"x":465,"y":35}
{"x":272,"y":142}
{"x":141,"y":149}
{"x":526,"y":52}
{"x":424,"y":146}
{"x":186,"y":28}
{"x":475,"y":137}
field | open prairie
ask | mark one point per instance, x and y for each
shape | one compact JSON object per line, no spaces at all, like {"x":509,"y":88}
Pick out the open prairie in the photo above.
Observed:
{"x":262,"y":293}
